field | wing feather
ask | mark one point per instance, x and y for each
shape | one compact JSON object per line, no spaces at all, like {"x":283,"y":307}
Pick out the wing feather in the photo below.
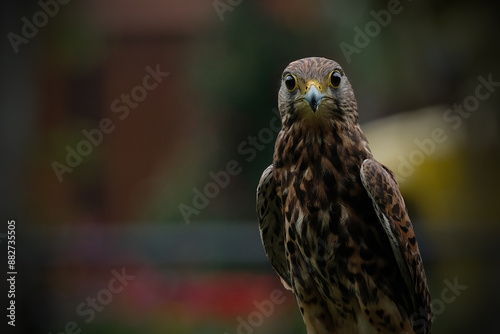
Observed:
{"x":383,"y":190}
{"x":272,"y":224}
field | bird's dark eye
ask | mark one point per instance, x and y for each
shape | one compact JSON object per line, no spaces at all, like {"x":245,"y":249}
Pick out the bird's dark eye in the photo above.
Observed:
{"x":290,"y":82}
{"x":335,"y":78}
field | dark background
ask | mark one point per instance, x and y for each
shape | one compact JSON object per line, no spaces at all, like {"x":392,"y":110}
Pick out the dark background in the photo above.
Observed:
{"x":120,"y":208}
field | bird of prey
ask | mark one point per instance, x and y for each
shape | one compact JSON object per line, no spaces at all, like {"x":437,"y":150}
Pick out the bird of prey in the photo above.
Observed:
{"x":332,"y":220}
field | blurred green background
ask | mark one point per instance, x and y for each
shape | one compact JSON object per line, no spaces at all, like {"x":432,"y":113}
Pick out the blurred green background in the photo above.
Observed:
{"x":128,"y":204}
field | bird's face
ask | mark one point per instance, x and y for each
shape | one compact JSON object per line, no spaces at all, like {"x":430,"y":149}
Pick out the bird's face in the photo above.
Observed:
{"x":315,"y":89}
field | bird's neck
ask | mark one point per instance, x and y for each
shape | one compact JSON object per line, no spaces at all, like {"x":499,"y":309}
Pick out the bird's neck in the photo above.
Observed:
{"x":327,"y":144}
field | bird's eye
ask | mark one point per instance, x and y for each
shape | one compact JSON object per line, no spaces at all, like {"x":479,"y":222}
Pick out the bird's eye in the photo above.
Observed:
{"x":290,"y":82}
{"x":335,"y":78}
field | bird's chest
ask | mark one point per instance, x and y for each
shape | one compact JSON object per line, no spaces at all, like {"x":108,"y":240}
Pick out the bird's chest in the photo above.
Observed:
{"x":321,"y":196}
{"x":326,"y":210}
{"x":318,"y":179}
{"x":325,"y":215}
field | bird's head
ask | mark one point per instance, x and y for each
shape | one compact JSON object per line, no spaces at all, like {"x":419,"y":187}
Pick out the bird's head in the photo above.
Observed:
{"x":315,"y":90}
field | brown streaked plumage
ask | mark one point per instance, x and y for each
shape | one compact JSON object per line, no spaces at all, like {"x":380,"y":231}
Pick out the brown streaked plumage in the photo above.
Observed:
{"x":332,"y":220}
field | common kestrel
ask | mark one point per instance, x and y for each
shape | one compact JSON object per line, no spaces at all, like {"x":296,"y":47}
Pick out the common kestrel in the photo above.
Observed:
{"x":332,"y":219}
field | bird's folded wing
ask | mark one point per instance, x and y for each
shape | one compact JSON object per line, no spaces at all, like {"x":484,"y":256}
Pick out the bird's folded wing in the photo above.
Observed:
{"x":384,"y":192}
{"x":271,"y":224}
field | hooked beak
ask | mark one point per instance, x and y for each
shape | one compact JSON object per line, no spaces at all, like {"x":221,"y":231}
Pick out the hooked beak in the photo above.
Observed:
{"x":313,"y":97}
